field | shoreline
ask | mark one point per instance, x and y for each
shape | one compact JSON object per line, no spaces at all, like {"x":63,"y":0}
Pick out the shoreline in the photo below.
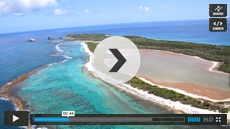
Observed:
{"x":214,"y":67}
{"x":89,"y":62}
{"x":175,"y":106}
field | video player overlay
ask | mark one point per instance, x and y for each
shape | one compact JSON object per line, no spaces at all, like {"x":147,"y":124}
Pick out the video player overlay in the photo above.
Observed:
{"x":23,"y":118}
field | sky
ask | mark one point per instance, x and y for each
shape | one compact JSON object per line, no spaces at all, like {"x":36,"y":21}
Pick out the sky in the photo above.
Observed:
{"x":27,"y":15}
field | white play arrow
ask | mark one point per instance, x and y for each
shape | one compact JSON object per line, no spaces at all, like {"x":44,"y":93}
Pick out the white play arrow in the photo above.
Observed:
{"x":15,"y":118}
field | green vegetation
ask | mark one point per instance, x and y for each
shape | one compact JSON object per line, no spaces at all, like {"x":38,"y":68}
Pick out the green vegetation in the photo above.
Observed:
{"x":174,"y":96}
{"x":170,"y":94}
{"x":224,"y":110}
{"x":93,"y":37}
{"x":91,"y":46}
{"x":205,"y":51}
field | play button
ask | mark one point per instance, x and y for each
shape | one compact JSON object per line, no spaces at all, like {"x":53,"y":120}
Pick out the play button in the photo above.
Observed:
{"x":15,"y":118}
{"x":116,"y":60}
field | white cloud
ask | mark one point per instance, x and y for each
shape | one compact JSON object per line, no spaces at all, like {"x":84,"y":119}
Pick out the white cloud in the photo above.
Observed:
{"x":60,"y":11}
{"x":23,"y":6}
{"x":144,"y":8}
{"x":87,"y":11}
{"x":140,"y":7}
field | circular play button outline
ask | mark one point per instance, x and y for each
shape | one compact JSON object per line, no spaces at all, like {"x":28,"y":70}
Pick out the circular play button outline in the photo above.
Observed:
{"x":116,"y":60}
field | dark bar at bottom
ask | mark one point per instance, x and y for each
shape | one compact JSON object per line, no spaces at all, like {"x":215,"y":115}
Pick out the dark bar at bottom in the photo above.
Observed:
{"x":130,"y":119}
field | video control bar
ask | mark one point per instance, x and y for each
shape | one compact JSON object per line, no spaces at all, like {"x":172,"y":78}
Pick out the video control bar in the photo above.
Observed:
{"x":129,"y":119}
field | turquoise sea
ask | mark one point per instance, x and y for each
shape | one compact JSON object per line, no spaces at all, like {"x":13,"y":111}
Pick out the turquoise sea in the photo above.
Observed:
{"x":65,"y":84}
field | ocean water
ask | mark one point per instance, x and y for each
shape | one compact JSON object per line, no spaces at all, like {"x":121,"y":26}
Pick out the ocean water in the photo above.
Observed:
{"x":19,"y":57}
{"x":67,"y":83}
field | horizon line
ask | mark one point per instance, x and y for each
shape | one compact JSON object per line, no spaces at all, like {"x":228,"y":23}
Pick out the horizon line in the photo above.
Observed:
{"x":98,"y":25}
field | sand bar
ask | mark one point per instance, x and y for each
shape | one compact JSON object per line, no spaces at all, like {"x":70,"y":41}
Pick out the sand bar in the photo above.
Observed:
{"x":9,"y":90}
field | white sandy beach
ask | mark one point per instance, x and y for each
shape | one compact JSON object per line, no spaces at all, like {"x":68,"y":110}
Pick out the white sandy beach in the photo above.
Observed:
{"x":176,"y":106}
{"x":89,"y":64}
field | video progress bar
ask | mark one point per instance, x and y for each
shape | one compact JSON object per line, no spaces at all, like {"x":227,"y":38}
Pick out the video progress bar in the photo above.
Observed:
{"x":110,"y":119}
{"x":129,"y":119}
